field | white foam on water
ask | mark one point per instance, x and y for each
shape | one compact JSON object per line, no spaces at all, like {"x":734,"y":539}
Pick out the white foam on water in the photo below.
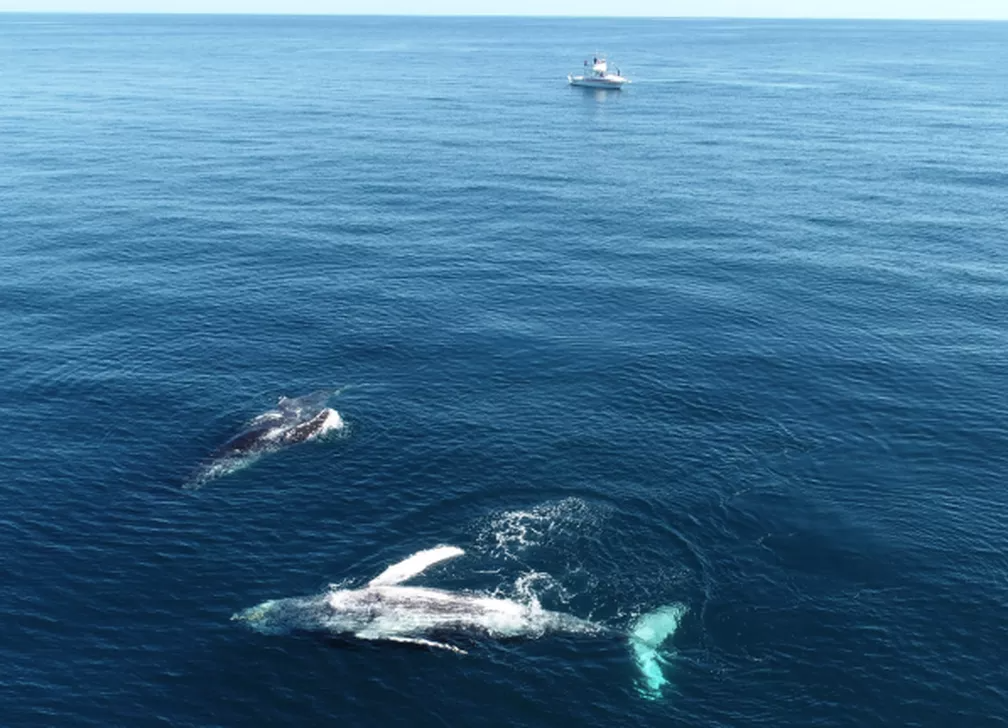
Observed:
{"x":333,"y":423}
{"x":265,"y":417}
{"x":346,"y":583}
{"x":510,"y":533}
{"x":219,"y":469}
{"x":531,"y":586}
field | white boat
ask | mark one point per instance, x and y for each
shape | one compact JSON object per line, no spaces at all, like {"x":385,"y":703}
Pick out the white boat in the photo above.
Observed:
{"x":597,"y":75}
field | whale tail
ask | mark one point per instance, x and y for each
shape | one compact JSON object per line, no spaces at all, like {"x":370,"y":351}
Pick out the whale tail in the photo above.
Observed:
{"x":647,"y":636}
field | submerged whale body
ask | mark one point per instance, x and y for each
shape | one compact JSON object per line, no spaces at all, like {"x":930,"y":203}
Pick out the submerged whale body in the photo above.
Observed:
{"x":293,"y":420}
{"x":386,"y":610}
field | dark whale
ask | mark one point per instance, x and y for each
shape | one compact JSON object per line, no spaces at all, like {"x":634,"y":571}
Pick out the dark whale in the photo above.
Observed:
{"x":276,"y":433}
{"x":294,"y":420}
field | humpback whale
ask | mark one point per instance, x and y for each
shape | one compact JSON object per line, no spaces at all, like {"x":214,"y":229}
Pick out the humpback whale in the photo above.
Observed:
{"x":387,"y":610}
{"x":268,"y":432}
{"x":293,"y":420}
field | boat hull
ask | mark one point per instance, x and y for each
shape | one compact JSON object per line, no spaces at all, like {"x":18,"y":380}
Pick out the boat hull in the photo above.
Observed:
{"x":610,"y":83}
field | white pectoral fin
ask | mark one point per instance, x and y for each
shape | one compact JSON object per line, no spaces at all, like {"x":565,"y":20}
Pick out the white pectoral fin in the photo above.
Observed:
{"x":429,"y":643}
{"x":415,"y":564}
{"x":411,"y":641}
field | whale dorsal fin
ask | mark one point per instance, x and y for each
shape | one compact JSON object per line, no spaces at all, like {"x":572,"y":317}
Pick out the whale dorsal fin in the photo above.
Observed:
{"x":415,"y":564}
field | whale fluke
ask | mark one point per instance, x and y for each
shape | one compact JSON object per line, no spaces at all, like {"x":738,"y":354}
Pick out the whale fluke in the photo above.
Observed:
{"x":648,"y":635}
{"x":414,"y":565}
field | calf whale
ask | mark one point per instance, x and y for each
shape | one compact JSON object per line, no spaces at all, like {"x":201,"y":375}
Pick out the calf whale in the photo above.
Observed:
{"x":293,"y":420}
{"x":387,"y":610}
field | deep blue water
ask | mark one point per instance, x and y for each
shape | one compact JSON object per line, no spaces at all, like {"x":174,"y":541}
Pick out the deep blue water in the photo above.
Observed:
{"x":734,"y":337}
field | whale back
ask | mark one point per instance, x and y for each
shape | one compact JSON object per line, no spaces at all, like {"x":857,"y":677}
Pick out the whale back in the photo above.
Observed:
{"x":397,"y":611}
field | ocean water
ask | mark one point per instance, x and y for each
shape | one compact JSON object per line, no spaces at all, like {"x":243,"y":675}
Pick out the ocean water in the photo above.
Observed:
{"x":732,"y":338}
